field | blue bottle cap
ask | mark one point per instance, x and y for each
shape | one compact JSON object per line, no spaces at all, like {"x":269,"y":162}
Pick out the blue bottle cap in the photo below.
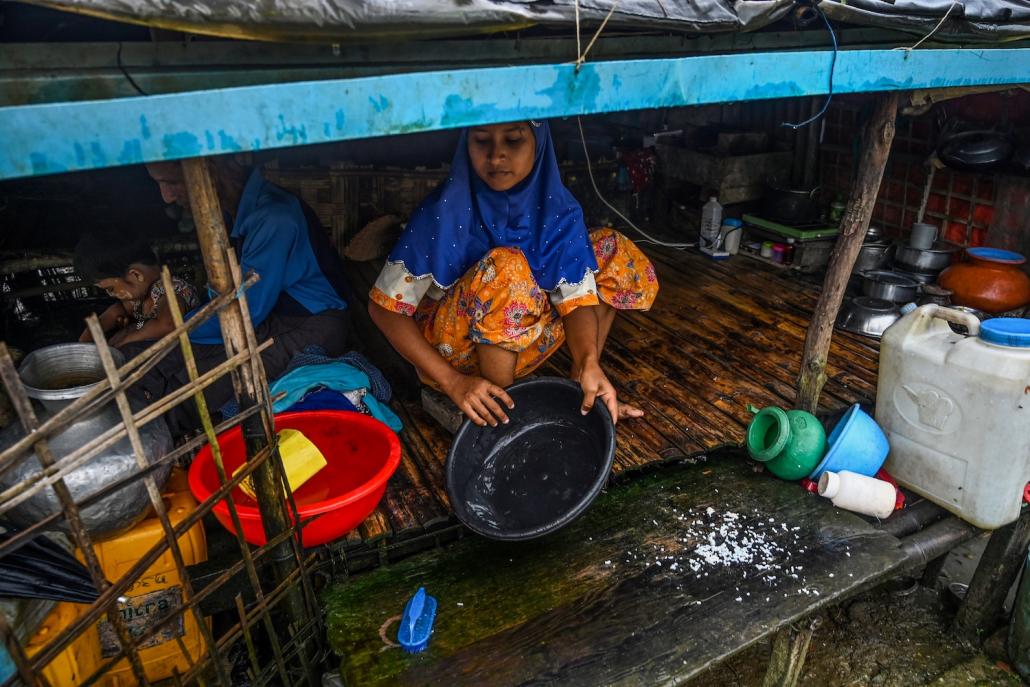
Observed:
{"x":1006,"y":331}
{"x":730,"y":221}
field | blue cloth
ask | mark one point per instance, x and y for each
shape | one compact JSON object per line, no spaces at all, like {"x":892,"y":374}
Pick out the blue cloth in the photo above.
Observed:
{"x":332,"y":375}
{"x":323,"y":399}
{"x":274,"y":232}
{"x":316,"y":355}
{"x":463,"y":219}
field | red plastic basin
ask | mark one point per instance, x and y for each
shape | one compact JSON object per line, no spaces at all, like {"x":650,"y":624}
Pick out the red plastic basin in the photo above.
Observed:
{"x":362,"y":453}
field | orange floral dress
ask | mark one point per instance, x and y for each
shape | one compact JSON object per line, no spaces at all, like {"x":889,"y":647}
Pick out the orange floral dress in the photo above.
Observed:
{"x":498,"y":302}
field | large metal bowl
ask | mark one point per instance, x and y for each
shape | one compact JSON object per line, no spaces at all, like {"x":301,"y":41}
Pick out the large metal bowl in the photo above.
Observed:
{"x":889,"y":286}
{"x":867,"y":316}
{"x":930,"y":260}
{"x":55,"y":376}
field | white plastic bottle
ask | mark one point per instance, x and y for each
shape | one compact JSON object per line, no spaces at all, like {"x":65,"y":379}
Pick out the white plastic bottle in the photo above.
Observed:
{"x":858,"y":493}
{"x":711,"y":221}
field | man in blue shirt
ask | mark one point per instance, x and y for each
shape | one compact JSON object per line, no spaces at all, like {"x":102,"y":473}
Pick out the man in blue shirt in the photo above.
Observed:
{"x":298,"y":301}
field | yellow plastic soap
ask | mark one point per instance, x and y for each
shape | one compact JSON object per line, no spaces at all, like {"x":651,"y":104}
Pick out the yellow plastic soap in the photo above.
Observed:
{"x":301,"y":459}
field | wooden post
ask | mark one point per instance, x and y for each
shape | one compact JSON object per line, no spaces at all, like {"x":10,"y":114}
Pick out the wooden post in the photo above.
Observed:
{"x":215,"y":247}
{"x":249,"y":384}
{"x":877,"y":138}
{"x":790,"y":648}
{"x":981,"y":609}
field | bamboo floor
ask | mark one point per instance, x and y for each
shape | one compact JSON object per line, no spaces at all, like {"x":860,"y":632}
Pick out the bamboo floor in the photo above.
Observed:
{"x":720,"y":336}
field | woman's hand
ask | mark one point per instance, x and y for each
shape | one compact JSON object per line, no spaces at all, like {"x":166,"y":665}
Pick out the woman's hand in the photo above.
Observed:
{"x":596,"y":386}
{"x":479,"y":399}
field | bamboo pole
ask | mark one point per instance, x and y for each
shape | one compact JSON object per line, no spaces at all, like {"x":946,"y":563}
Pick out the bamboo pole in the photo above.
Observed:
{"x":153,"y":491}
{"x":215,"y":247}
{"x":216,"y":455}
{"x":21,"y":663}
{"x":249,"y":382}
{"x":877,"y":137}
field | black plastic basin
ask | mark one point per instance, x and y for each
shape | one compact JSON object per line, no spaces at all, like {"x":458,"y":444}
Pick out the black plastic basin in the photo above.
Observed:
{"x":537,"y":473}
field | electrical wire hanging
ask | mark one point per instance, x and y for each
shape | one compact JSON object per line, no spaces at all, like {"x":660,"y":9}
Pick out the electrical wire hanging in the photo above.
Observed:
{"x":833,"y":63}
{"x":590,"y":172}
{"x":125,"y":72}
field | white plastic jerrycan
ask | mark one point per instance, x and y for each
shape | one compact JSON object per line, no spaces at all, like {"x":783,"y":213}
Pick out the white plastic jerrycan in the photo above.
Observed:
{"x":956,"y":410}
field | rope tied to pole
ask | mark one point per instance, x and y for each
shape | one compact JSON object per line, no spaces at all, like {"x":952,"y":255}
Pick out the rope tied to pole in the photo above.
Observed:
{"x":582,"y":54}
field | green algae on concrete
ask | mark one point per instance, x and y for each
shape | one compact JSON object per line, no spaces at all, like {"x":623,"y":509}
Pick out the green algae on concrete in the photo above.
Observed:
{"x":611,"y":596}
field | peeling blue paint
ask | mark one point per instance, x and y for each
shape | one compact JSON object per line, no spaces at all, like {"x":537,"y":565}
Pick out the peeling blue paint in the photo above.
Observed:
{"x":178,"y":146}
{"x":97,"y":157}
{"x":57,"y":137}
{"x":227,"y":143}
{"x":290,"y":134}
{"x":132,"y":153}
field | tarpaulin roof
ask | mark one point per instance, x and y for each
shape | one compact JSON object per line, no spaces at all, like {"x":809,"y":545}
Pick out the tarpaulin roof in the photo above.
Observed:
{"x":339,"y":20}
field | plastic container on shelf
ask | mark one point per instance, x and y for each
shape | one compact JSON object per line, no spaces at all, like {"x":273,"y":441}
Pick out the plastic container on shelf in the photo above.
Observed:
{"x":767,"y":249}
{"x":955,"y":410}
{"x":157,"y":592}
{"x":711,"y":220}
{"x":732,"y":230}
{"x":779,"y":251}
{"x":788,"y":255}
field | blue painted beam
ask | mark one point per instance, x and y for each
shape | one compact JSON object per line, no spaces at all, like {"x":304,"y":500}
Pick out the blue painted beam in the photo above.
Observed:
{"x":64,"y":137}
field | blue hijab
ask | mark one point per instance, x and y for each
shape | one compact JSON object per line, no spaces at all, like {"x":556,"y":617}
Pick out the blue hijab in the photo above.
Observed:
{"x":460,"y":221}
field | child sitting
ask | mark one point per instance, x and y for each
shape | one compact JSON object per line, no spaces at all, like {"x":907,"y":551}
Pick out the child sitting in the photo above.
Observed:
{"x":129,"y":271}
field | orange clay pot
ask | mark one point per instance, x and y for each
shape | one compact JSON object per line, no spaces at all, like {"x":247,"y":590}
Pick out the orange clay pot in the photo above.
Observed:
{"x":992,"y":280}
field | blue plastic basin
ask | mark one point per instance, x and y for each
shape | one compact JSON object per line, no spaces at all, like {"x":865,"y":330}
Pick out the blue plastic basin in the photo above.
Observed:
{"x":856,"y":444}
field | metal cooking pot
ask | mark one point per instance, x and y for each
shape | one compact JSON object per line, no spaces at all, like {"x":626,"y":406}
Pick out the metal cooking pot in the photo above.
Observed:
{"x":871,"y":256}
{"x":927,"y":260}
{"x":55,"y":376}
{"x":793,"y":205}
{"x":889,"y":286}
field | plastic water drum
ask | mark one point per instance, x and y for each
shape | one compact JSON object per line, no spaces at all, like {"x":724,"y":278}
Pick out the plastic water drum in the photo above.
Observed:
{"x":956,"y":411}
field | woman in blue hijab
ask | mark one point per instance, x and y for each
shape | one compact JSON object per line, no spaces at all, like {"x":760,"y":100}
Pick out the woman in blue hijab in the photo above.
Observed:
{"x":496,"y":269}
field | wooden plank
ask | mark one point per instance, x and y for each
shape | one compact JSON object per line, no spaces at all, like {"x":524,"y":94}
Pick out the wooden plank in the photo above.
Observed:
{"x":733,"y":319}
{"x":591,"y":605}
{"x":375,"y":527}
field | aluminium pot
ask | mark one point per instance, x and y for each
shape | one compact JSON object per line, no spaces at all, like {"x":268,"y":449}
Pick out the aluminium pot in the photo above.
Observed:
{"x":871,"y":256}
{"x":54,"y":377}
{"x":889,"y":286}
{"x":925,"y":261}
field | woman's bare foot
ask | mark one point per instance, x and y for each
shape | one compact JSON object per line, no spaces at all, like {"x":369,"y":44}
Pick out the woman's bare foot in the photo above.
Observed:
{"x":626,"y":411}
